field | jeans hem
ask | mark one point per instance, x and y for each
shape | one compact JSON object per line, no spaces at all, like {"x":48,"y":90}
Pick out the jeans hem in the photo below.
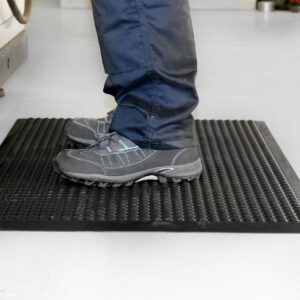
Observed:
{"x":166,"y":146}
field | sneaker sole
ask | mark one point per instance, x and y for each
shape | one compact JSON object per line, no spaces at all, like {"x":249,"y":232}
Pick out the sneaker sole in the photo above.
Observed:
{"x":175,"y":174}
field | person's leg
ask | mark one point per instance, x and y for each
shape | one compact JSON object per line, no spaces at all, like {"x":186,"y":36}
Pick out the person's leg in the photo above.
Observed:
{"x":149,"y":54}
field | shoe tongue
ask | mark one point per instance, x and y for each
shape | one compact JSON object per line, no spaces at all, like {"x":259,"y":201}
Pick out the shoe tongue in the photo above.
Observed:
{"x":110,"y":115}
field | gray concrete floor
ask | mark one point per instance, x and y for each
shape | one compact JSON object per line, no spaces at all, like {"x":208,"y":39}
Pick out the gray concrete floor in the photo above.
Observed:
{"x":249,"y":68}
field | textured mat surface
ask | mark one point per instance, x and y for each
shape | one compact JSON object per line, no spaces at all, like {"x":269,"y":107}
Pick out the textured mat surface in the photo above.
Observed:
{"x":247,"y":185}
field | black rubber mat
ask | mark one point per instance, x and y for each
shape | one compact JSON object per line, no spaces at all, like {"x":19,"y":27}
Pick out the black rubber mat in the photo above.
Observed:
{"x":247,"y":186}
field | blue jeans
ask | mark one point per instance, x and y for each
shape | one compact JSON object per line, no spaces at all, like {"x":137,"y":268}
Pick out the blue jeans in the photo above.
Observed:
{"x":148,"y":52}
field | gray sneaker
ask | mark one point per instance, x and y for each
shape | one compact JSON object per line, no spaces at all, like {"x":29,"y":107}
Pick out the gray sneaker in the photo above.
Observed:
{"x":85,"y":132}
{"x":116,"y":161}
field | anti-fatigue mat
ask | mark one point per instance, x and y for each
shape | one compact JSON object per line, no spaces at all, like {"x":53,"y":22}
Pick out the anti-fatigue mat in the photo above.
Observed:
{"x":247,"y":186}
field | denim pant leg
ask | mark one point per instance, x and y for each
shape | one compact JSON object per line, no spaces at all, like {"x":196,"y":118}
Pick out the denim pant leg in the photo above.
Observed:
{"x":148,"y":52}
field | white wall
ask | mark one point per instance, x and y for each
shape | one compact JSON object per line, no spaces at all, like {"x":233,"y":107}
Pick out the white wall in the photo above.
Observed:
{"x":9,"y":26}
{"x":74,"y":3}
{"x":223,"y":4}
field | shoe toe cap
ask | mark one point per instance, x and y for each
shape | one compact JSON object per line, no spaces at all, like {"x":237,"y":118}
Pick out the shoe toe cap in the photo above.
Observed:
{"x":76,"y":129}
{"x":72,"y":163}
